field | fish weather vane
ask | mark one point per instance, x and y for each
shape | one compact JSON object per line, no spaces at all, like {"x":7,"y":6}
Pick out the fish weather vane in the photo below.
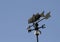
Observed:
{"x":34,"y":20}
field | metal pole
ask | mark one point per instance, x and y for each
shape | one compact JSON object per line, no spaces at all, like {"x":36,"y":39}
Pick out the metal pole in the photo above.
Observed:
{"x":37,"y":37}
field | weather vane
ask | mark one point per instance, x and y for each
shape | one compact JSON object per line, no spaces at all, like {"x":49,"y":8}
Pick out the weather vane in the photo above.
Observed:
{"x":35,"y":19}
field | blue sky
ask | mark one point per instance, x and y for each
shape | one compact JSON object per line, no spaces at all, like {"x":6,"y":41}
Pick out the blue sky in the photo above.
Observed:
{"x":14,"y":16}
